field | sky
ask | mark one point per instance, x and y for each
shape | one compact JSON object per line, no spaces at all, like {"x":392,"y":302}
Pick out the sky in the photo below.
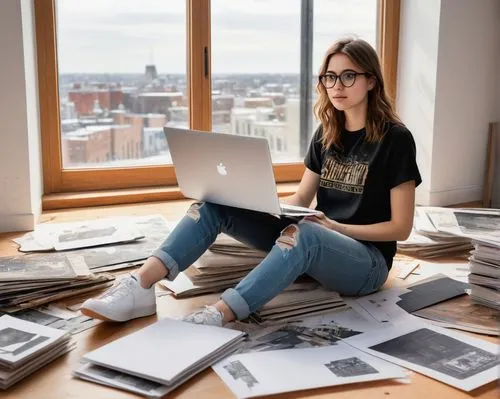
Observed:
{"x":248,"y":36}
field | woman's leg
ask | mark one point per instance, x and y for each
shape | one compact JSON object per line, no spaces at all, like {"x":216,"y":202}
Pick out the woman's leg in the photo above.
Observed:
{"x":338,"y":262}
{"x":199,"y":228}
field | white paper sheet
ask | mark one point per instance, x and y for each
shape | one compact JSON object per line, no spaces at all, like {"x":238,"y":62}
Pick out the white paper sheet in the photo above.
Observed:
{"x":89,"y":233}
{"x":382,"y":305}
{"x":266,"y":373}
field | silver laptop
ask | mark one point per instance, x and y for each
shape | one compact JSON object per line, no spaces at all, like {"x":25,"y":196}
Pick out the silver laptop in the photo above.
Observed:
{"x":227,"y":169}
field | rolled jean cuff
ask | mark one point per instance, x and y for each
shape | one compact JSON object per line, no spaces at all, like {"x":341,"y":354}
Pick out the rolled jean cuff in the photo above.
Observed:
{"x":169,"y":263}
{"x":236,"y":303}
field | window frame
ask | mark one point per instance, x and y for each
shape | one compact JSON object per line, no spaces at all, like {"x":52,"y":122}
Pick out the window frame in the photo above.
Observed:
{"x":198,"y":21}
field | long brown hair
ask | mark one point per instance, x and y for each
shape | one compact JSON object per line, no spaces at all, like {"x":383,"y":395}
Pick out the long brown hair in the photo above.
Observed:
{"x":380,"y":109}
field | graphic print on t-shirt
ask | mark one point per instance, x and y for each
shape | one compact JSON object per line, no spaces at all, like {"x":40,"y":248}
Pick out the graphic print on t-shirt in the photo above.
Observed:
{"x":346,"y":175}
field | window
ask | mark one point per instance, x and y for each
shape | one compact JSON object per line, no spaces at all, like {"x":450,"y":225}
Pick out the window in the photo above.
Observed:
{"x":110,"y":77}
{"x":256,"y":66}
{"x":121,"y":67}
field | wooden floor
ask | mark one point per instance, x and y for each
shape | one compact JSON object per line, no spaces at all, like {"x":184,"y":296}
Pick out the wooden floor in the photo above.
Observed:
{"x":55,"y":381}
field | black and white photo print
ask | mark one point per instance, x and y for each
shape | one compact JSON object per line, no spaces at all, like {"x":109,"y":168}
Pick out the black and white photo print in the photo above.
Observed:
{"x":350,"y":367}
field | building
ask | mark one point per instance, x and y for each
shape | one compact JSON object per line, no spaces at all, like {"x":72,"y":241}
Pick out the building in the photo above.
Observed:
{"x":85,"y":99}
{"x":158,"y":102}
{"x":283,"y":135}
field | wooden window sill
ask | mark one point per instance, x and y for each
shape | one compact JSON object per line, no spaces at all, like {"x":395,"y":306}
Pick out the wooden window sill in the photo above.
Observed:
{"x":128,"y":196}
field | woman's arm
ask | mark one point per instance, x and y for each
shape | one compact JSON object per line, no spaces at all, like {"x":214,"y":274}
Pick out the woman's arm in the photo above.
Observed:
{"x":397,"y":229}
{"x":306,"y":191}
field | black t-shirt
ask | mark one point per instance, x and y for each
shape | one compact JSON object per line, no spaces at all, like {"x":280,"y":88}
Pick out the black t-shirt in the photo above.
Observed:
{"x":356,"y":178}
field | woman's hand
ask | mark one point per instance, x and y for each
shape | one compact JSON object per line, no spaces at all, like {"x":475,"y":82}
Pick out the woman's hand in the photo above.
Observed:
{"x":323,"y":220}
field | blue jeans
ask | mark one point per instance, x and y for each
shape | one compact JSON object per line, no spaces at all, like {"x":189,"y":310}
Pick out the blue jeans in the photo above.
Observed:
{"x":339,"y":263}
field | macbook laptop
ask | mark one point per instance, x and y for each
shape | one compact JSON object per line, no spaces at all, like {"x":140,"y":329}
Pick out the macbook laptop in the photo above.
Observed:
{"x":227,"y":169}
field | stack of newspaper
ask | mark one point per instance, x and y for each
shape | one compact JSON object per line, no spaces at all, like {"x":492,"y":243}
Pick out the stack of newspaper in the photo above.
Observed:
{"x":430,"y":239}
{"x":155,"y":360}
{"x":31,"y":280}
{"x":484,"y":278}
{"x":222,"y":266}
{"x":25,"y":347}
{"x":295,"y":305}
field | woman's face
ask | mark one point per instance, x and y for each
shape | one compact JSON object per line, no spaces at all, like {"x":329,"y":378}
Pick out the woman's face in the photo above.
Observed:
{"x":344,"y":98}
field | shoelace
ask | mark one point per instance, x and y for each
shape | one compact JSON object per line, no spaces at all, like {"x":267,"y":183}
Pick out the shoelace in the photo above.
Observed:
{"x":119,"y":290}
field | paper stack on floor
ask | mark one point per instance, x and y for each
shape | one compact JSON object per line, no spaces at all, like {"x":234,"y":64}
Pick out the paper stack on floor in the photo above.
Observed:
{"x":31,"y":280}
{"x":295,"y":305}
{"x":484,"y":278}
{"x":462,"y":313}
{"x":166,"y":354}
{"x":25,"y":347}
{"x":440,"y":231}
{"x":428,"y":241}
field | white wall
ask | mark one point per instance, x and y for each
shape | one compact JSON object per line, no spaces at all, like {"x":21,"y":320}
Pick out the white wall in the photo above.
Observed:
{"x":466,"y":96}
{"x":416,"y":85}
{"x":20,"y":169}
{"x":446,"y":95}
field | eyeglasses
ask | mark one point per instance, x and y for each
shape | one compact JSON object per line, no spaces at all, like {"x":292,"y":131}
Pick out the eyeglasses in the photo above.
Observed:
{"x":347,"y":78}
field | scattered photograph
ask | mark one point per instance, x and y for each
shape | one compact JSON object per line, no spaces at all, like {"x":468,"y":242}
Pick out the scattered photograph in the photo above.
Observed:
{"x":439,"y":352}
{"x":15,"y":342}
{"x":239,"y":372}
{"x":350,"y":367}
{"x":35,"y":316}
{"x":85,"y":233}
{"x":296,"y":336}
{"x":11,"y":336}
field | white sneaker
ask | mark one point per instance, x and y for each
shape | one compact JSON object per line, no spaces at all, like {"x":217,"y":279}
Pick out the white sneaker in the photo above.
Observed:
{"x":209,"y":316}
{"x":124,"y":301}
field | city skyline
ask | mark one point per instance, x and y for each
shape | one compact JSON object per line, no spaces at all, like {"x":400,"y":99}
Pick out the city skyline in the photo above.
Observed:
{"x":96,"y":36}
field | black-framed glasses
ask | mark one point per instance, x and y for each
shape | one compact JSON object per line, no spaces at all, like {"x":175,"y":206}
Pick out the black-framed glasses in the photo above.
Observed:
{"x":347,"y":78}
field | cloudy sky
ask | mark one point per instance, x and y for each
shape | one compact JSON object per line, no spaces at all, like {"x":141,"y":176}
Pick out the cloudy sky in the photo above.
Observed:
{"x":248,"y":36}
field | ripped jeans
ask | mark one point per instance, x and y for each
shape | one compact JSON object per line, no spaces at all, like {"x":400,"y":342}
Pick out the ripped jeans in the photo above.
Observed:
{"x":339,"y":263}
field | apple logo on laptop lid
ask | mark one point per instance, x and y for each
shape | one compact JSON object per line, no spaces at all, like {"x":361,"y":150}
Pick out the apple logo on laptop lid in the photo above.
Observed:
{"x":221,"y":169}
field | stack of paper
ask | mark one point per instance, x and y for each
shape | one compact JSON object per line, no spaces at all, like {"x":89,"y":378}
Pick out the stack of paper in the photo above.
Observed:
{"x":485,"y":274}
{"x":225,"y":244}
{"x":165,"y":354}
{"x":31,"y":280}
{"x":295,"y":305}
{"x":25,"y":347}
{"x":428,"y":240}
{"x":215,"y":267}
{"x":462,"y":313}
